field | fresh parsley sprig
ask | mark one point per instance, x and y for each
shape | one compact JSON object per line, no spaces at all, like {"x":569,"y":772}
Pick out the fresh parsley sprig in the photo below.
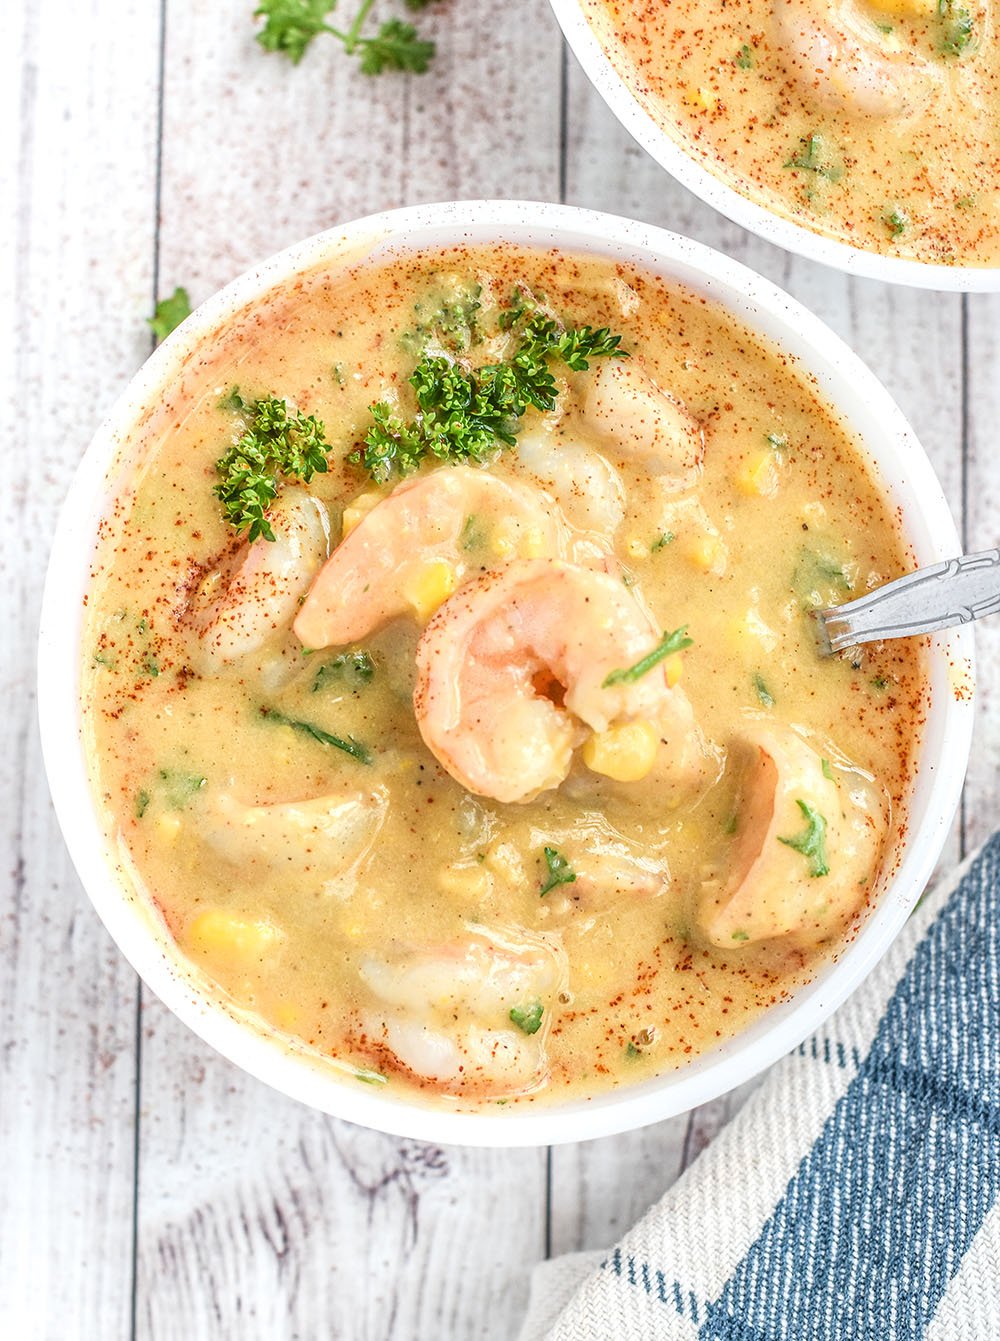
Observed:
{"x":169,"y":313}
{"x":279,"y":444}
{"x":559,"y":871}
{"x":467,"y":414}
{"x":291,"y":25}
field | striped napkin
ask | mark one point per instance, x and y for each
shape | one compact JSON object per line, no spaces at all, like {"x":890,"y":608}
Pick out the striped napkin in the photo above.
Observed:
{"x":854,"y":1198}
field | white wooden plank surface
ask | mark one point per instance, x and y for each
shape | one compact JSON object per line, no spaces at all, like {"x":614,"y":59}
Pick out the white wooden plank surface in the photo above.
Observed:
{"x":255,"y":1217}
{"x":77,"y":283}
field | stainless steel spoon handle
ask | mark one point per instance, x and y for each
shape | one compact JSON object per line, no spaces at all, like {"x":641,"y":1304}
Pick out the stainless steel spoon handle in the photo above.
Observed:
{"x":939,"y":597}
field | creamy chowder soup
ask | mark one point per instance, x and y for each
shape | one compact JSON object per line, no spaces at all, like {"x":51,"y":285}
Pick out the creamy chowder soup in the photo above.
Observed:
{"x":450,"y":684}
{"x":872,"y":121}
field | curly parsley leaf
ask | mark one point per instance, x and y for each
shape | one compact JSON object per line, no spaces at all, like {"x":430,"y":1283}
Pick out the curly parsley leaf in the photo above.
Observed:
{"x":354,"y":669}
{"x":169,"y":313}
{"x":559,"y":871}
{"x":528,"y":1018}
{"x":468,"y":414}
{"x":396,"y":46}
{"x":812,"y":841}
{"x":957,"y":28}
{"x":667,"y":646}
{"x":278,"y":444}
{"x":291,"y":25}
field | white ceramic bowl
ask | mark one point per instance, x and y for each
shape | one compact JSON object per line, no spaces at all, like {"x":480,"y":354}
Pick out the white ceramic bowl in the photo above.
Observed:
{"x":896,"y":458}
{"x":670,"y":154}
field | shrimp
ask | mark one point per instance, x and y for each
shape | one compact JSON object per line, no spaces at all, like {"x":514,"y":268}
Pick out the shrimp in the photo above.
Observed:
{"x":326,"y":834}
{"x":457,"y":517}
{"x":586,"y":486}
{"x":842,"y":59}
{"x":472,"y":1015}
{"x":256,"y":594}
{"x":511,"y":672}
{"x":808,"y":886}
{"x":646,"y":423}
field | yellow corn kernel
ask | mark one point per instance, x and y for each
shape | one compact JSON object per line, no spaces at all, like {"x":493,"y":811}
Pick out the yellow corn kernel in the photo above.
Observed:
{"x":636,"y":548}
{"x":465,"y":882}
{"x":285,"y":1015}
{"x":625,"y":753}
{"x":534,"y":545}
{"x":168,"y":827}
{"x":708,"y":553}
{"x":673,"y":669}
{"x":758,"y":476}
{"x":428,"y":584}
{"x":906,"y":9}
{"x":749,"y":634}
{"x":356,"y":510}
{"x":703,"y":98}
{"x":223,"y":936}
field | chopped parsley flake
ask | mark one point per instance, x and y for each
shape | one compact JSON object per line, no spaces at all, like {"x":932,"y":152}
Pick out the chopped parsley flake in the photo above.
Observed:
{"x":352,"y":668}
{"x":529,"y":1018}
{"x":670,"y":643}
{"x":169,"y":313}
{"x":812,"y":842}
{"x":348,"y":744}
{"x":744,"y":57}
{"x":559,"y":871}
{"x":763,"y":693}
{"x":662,"y":541}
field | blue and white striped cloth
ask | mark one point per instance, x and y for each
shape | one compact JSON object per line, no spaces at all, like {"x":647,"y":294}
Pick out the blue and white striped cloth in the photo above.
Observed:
{"x":854,"y":1198}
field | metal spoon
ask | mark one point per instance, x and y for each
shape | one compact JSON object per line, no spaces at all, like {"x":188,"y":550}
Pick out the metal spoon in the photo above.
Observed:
{"x":939,"y":597}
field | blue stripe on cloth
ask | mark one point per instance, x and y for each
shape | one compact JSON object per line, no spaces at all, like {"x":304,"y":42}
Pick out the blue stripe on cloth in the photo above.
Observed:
{"x":875,"y":1222}
{"x":654,"y":1283}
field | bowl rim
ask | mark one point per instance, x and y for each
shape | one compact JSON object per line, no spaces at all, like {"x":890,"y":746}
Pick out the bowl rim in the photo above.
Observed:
{"x":138,"y":931}
{"x":714,"y":191}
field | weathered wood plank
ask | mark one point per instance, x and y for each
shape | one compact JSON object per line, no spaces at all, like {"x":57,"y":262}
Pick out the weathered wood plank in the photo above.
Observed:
{"x":258,"y":1217}
{"x":77,"y":279}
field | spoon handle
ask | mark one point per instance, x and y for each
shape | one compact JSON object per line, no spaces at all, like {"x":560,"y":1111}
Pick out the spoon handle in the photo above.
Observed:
{"x":939,"y":597}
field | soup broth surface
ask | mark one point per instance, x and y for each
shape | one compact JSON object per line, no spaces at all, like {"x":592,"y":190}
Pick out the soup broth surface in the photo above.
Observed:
{"x":422,"y":850}
{"x":871,"y":121}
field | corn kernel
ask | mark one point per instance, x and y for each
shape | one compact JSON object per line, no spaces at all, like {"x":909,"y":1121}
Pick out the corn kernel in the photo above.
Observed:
{"x":428,"y":584}
{"x":465,"y":882}
{"x":750,"y":634}
{"x":625,"y":753}
{"x":285,"y":1015}
{"x":636,"y":548}
{"x":758,"y":476}
{"x":534,"y":545}
{"x":708,"y":552}
{"x":906,"y":9}
{"x":168,"y":827}
{"x":673,"y":669}
{"x":503,"y":547}
{"x":356,"y":510}
{"x":703,"y":98}
{"x":223,"y":936}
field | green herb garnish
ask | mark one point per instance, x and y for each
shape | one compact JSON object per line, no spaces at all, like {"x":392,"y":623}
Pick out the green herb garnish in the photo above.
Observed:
{"x":141,"y":803}
{"x":353,"y":668}
{"x":827,"y":770}
{"x":662,"y":541}
{"x":291,"y":25}
{"x":371,"y":1077}
{"x":813,"y":156}
{"x":744,"y":57}
{"x":956,"y":27}
{"x":763,"y":693}
{"x":631,"y":1051}
{"x":169,"y":313}
{"x":348,"y":744}
{"x":670,"y":643}
{"x":559,"y":871}
{"x":897,"y":221}
{"x":279,"y":444}
{"x":466,"y":414}
{"x":178,"y":787}
{"x":529,"y":1018}
{"x":742,"y":935}
{"x":812,"y":842}
{"x":778,"y":441}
